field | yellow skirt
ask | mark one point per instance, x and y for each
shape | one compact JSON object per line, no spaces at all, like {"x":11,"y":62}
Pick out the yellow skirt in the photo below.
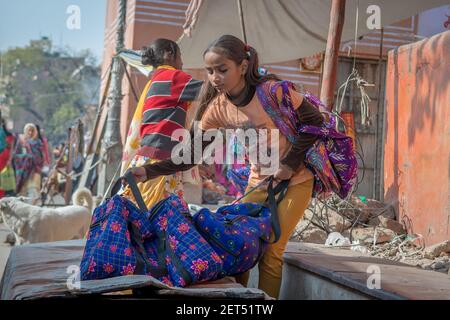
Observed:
{"x":157,"y":189}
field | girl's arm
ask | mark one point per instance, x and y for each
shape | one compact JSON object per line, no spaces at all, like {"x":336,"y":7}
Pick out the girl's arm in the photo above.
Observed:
{"x":309,"y":115}
{"x":168,"y":167}
{"x":209,"y":121}
{"x":191,"y":90}
{"x":187,"y":86}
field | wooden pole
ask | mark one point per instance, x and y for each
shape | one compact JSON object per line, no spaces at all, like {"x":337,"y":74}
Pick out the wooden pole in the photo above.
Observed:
{"x":379,"y":150}
{"x":337,"y":17}
{"x":241,"y":20}
{"x":69,"y":166}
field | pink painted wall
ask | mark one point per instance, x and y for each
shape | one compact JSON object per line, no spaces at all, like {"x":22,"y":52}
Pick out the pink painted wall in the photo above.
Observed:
{"x":417,"y":141}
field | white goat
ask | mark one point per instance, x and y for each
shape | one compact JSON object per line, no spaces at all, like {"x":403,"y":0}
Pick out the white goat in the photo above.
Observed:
{"x":31,"y":224}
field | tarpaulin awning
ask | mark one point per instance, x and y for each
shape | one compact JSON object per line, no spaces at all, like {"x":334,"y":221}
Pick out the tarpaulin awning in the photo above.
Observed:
{"x":133,"y":58}
{"x":283,"y":30}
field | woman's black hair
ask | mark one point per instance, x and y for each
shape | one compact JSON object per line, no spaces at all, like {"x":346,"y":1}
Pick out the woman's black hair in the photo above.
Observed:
{"x":7,"y":132}
{"x":38,"y":129}
{"x":155,"y":54}
{"x":234,"y":49}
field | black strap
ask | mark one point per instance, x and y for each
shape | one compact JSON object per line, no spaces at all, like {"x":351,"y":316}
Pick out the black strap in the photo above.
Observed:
{"x":272,"y":203}
{"x":129,"y":177}
{"x":142,"y":260}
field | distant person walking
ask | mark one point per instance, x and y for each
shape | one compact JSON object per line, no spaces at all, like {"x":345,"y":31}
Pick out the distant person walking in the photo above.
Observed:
{"x":28,"y":161}
{"x":7,"y":176}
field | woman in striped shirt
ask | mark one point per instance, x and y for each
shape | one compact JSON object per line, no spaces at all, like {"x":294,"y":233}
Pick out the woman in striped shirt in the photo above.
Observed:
{"x":161,"y":110}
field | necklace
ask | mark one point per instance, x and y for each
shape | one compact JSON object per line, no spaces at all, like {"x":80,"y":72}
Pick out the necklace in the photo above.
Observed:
{"x":244,"y":97}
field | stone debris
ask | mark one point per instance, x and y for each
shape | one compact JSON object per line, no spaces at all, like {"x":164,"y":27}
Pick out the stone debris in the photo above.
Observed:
{"x":315,"y":235}
{"x":370,"y":228}
{"x":436,"y":250}
{"x":364,"y":220}
{"x":374,"y":235}
{"x":388,"y":223}
{"x":337,"y":239}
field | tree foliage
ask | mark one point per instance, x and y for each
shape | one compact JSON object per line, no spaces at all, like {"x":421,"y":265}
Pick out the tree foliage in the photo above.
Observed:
{"x":47,"y":84}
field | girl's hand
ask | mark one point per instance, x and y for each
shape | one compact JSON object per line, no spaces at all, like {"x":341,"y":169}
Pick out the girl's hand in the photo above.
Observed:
{"x":139,"y":174}
{"x":283,"y":173}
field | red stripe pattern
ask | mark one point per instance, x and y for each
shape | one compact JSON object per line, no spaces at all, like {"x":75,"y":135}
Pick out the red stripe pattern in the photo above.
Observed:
{"x":161,"y":112}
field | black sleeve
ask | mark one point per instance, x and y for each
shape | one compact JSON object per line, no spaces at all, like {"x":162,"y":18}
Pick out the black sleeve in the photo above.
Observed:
{"x":168,"y":167}
{"x":307,"y":114}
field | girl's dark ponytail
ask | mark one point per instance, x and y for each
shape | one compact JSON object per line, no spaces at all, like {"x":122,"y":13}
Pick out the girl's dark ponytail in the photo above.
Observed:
{"x":252,"y":76}
{"x":148,"y":56}
{"x":157,"y":53}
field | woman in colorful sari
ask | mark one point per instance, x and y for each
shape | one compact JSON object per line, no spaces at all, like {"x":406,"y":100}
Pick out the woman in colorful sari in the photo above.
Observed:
{"x":161,"y":109}
{"x":7,"y":178}
{"x":28,"y":161}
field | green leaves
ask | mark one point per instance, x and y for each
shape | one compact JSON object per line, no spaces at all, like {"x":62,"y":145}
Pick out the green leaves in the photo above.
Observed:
{"x":38,"y":84}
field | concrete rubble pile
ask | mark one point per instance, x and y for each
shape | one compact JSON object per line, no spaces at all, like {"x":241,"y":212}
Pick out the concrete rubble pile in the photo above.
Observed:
{"x":369,"y":227}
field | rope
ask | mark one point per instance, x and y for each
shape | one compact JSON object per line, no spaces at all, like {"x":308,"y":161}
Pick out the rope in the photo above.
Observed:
{"x":111,"y":183}
{"x":72,"y":175}
{"x":129,"y":80}
{"x":356,"y":35}
{"x":360,"y":82}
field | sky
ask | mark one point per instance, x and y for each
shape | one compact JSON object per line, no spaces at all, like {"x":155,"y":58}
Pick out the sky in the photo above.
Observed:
{"x":25,"y":20}
{"x":432,"y":21}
